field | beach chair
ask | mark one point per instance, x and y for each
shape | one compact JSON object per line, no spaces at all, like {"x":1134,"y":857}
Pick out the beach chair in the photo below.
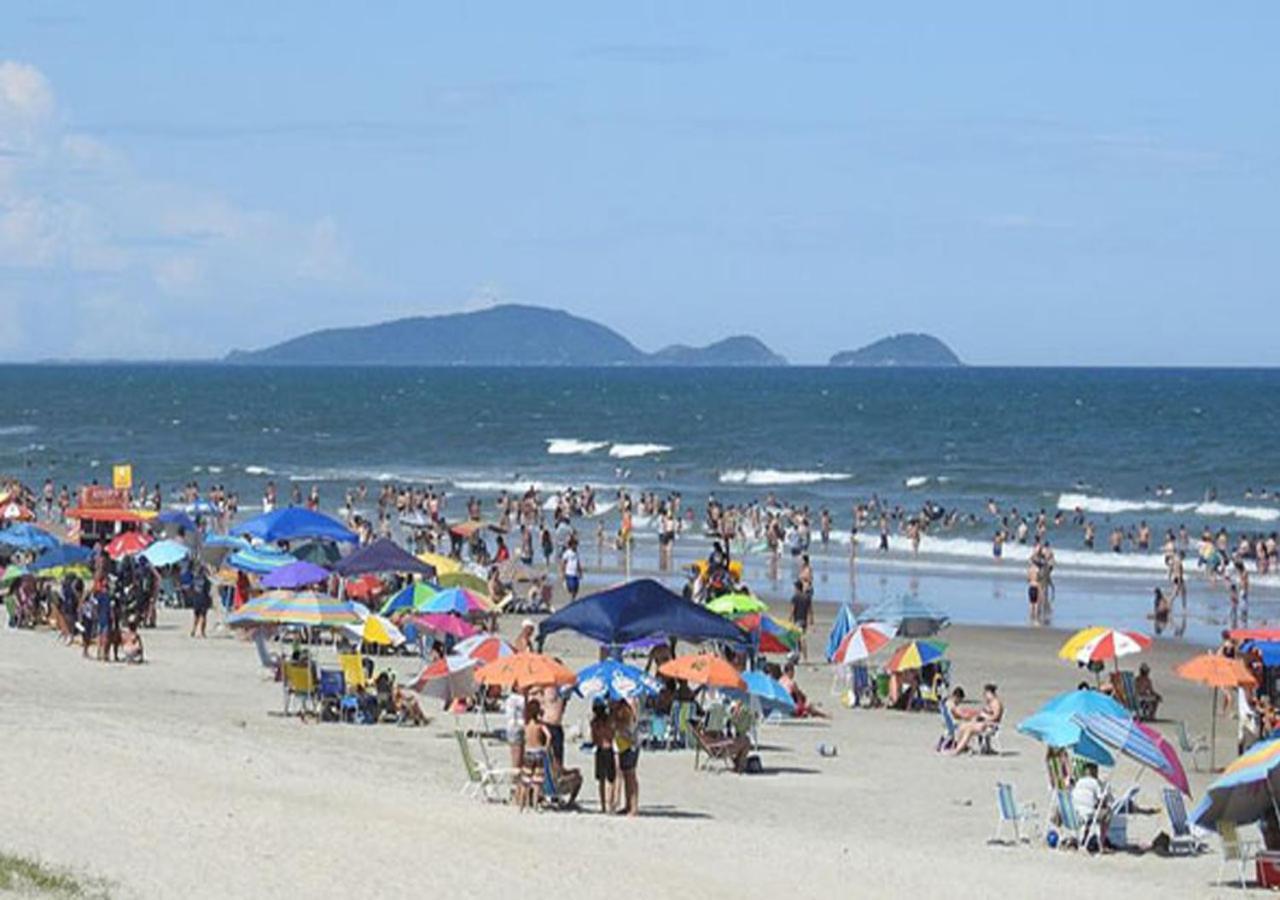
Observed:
{"x":352,"y":670}
{"x":715,"y":749}
{"x":332,"y":688}
{"x":1182,"y":838}
{"x":1118,"y":825}
{"x":1010,"y":812}
{"x":1073,"y":830}
{"x":1236,"y":850}
{"x":655,"y":731}
{"x":1123,"y":691}
{"x":481,"y":782}
{"x":300,"y":683}
{"x":988,"y":740}
{"x":1193,"y":747}
{"x":717,"y":720}
{"x":681,"y":724}
{"x":503,"y":775}
{"x":269,"y":661}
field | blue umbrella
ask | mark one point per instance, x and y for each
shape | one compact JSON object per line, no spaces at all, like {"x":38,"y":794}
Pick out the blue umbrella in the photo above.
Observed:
{"x":165,"y":553}
{"x":178,"y":518}
{"x":616,"y":680}
{"x":226,"y":540}
{"x":1054,"y":724}
{"x":295,"y":575}
{"x":769,"y":691}
{"x":62,"y":555}
{"x":25,"y":536}
{"x":843,"y":624}
{"x":295,"y":523}
{"x":1246,"y":792}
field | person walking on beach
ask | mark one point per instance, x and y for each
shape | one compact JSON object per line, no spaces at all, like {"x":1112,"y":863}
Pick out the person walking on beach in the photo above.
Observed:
{"x":571,"y":568}
{"x":802,"y":615}
{"x":201,"y":599}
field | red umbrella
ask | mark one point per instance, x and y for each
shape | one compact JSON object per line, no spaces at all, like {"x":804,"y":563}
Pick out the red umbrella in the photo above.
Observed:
{"x":127,"y":543}
{"x":365,"y":587}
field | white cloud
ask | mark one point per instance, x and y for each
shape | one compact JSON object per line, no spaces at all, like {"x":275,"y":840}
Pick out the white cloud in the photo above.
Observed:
{"x":130,"y":264}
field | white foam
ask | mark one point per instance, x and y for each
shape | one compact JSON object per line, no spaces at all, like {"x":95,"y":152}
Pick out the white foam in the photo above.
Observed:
{"x":916,"y":481}
{"x":258,"y":470}
{"x":515,"y":486}
{"x":632,"y":451}
{"x":1108,"y":505}
{"x":1257,"y":513}
{"x":573,"y":446}
{"x":7,"y":430}
{"x":760,"y":477}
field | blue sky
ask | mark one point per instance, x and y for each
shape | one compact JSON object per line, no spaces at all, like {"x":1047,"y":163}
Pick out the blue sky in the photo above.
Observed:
{"x":1086,"y":183}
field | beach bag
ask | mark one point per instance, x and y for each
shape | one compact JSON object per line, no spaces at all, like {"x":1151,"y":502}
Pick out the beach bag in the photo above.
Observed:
{"x":754,"y":766}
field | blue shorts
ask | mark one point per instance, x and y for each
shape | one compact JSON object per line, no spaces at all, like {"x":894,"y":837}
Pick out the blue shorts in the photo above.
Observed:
{"x":571,"y":583}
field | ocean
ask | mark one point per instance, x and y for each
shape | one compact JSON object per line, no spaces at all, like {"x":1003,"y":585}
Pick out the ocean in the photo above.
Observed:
{"x":1103,"y":440}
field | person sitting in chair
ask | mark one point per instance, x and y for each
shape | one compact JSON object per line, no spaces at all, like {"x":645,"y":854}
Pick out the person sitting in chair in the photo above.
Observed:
{"x":986,"y":721}
{"x":1148,"y":699}
{"x":1091,"y":799}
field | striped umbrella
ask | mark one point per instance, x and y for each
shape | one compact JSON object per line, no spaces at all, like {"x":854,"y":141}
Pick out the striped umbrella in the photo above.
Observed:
{"x":1139,"y":742}
{"x":127,"y":543}
{"x":1097,"y":644}
{"x":412,"y":597}
{"x":771,"y":635}
{"x":457,"y":600}
{"x":259,"y":560}
{"x":1246,"y":790}
{"x":483,"y":647}
{"x":916,"y":655}
{"x":453,"y":676}
{"x":444,"y":623}
{"x":374,"y":629}
{"x":287,"y":608}
{"x":862,"y":641}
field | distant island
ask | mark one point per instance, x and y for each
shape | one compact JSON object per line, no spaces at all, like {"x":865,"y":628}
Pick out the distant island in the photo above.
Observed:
{"x":505,"y":335}
{"x":902,"y":350}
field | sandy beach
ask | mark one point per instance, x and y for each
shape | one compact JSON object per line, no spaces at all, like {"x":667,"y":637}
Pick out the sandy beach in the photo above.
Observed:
{"x":181,"y":777}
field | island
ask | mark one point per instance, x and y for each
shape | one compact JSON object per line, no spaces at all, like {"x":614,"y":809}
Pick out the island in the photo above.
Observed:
{"x":901,"y":351}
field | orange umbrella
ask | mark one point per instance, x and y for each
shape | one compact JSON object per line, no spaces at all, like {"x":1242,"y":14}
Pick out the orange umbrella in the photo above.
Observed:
{"x":522,"y":671}
{"x":703,"y":668}
{"x":1220,"y":673}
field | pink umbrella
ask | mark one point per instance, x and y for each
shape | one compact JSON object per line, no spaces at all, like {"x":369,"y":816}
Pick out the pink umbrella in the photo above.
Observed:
{"x":1174,"y":773}
{"x":444,"y":623}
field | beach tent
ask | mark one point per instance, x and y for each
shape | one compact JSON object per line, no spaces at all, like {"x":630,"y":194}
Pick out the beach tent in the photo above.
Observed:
{"x":295,"y":523}
{"x":911,"y":617}
{"x":638,"y":609}
{"x":25,"y":536}
{"x":383,"y":555}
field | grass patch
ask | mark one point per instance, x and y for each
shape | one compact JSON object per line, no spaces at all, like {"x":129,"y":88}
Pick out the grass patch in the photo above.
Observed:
{"x":24,"y":875}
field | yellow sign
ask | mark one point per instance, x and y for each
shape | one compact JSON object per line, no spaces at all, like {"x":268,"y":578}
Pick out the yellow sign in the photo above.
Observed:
{"x":122,"y":477}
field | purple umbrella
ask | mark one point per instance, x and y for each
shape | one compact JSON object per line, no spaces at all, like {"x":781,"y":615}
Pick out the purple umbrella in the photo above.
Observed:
{"x":296,"y":575}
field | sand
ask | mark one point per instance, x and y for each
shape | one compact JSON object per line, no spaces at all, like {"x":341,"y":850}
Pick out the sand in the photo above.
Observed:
{"x":181,"y":778}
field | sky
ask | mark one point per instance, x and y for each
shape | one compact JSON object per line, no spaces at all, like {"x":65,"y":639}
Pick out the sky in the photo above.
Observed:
{"x":1037,"y":184}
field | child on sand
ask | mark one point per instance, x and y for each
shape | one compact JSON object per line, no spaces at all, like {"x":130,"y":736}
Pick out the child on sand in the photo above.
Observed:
{"x":606,"y":763}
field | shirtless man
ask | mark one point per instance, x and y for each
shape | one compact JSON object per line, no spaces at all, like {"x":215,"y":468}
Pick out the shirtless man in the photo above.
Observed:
{"x":985,"y":721}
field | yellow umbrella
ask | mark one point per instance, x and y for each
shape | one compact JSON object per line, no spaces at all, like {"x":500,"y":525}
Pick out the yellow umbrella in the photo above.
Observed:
{"x":1074,"y":643}
{"x":376,"y":629}
{"x":443,"y":565}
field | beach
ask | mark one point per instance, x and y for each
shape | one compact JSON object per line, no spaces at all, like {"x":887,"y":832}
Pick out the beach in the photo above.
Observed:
{"x":180,"y":777}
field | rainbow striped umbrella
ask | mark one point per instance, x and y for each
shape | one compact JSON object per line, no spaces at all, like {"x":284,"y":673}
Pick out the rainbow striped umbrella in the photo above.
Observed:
{"x":457,"y":600}
{"x":1137,"y":741}
{"x":771,"y":634}
{"x":288,"y":608}
{"x":410,"y":598}
{"x":916,"y":655}
{"x":1098,"y":644}
{"x":861,"y":642}
{"x":259,"y":560}
{"x":483,"y":647}
{"x":1246,"y":790}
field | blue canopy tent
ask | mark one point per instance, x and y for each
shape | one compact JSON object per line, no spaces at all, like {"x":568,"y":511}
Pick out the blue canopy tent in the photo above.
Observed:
{"x":638,"y":609}
{"x":1270,"y":651}
{"x":295,"y":523}
{"x":25,"y":536}
{"x":383,"y":555}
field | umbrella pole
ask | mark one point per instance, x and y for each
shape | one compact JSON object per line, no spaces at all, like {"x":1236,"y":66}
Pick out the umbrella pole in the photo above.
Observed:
{"x":1213,"y":732}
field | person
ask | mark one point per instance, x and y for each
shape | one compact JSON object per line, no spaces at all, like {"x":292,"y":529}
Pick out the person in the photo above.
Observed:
{"x":986,"y":721}
{"x":131,"y":643}
{"x":513,"y":708}
{"x":553,"y":719}
{"x":803,"y":709}
{"x":201,"y":600}
{"x":606,"y":764}
{"x":102,"y":612}
{"x":628,"y":747}
{"x":802,"y":614}
{"x":1090,"y":798}
{"x":1148,"y":698}
{"x":536,"y":742}
{"x":571,"y":568}
{"x":524,"y":640}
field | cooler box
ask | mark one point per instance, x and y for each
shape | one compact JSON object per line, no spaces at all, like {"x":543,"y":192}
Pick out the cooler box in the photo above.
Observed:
{"x":1269,"y":869}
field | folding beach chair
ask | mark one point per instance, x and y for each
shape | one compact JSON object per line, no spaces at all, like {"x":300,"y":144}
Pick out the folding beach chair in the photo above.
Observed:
{"x":988,"y":740}
{"x":1010,"y":812}
{"x":299,"y":682}
{"x":481,"y":782}
{"x":353,"y":670}
{"x":1183,"y":838}
{"x":713,"y":748}
{"x":1236,"y":850}
{"x":1118,"y":824}
{"x":948,"y":738}
{"x":1193,"y":747}
{"x":862,"y":690}
{"x":1073,"y":830}
{"x":332,"y":687}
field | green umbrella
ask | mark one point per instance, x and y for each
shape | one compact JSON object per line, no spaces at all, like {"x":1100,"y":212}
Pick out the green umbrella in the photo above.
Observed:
{"x":464,"y":580}
{"x":736,"y":605}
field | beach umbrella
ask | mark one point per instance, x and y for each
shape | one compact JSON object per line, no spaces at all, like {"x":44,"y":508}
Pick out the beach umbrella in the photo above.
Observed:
{"x":444,"y":565}
{"x":736,"y":605}
{"x":320,"y":552}
{"x":412,"y":597}
{"x":524,"y":671}
{"x":374,"y":629}
{"x":444,"y":623}
{"x":1056,"y":730}
{"x":363,"y":587}
{"x":288,"y":608}
{"x":910,"y":617}
{"x":295,"y":575}
{"x":453,"y":676}
{"x":165,"y":553}
{"x":457,"y":600}
{"x":176,"y":519}
{"x":915,"y":655}
{"x":861,"y":642}
{"x":466,"y":580}
{"x":230,"y":541}
{"x":1246,"y":791}
{"x":259,"y":560}
{"x":483,"y":647}
{"x":1139,"y":742}
{"x":294,"y":523}
{"x":13,"y":511}
{"x":24,"y":536}
{"x":840,"y":627}
{"x":1220,"y":673}
{"x":616,"y":680}
{"x":705,"y":669}
{"x":770,"y":634}
{"x":127,"y":543}
{"x":1098,"y":644}
{"x":60,"y":557}
{"x":382,"y":556}
{"x":769,"y":691}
